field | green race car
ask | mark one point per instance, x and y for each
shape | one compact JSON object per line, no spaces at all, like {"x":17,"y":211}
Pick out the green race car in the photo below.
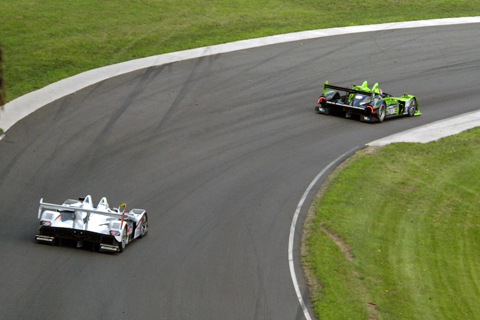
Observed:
{"x":372,"y":105}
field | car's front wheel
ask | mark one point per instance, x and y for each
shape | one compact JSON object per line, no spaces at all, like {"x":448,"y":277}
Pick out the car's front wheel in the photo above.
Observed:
{"x":144,"y":229}
{"x":413,"y":108}
{"x":382,"y":112}
{"x":123,"y":243}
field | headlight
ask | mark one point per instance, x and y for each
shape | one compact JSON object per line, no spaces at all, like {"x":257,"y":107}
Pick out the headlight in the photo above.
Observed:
{"x":114,"y":233}
{"x":45,"y":223}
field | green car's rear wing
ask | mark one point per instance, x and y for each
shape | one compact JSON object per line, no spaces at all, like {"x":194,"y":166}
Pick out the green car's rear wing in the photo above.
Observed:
{"x":344,"y":89}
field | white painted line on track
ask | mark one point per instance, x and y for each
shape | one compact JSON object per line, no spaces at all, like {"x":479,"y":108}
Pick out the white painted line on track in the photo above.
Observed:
{"x":28,"y":103}
{"x":292,"y":230}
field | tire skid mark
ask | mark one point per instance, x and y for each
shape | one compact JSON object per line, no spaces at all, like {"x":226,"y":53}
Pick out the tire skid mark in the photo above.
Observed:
{"x":8,"y":168}
{"x":137,"y":91}
{"x":196,"y":75}
{"x":139,"y":88}
{"x":190,"y":82}
{"x":260,"y":301}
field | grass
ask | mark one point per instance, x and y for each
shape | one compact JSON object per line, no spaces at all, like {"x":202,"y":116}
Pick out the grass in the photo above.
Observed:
{"x":47,"y":40}
{"x":408,"y":215}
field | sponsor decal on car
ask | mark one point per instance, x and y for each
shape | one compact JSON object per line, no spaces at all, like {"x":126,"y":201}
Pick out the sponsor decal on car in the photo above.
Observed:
{"x":111,"y":248}
{"x":44,"y":238}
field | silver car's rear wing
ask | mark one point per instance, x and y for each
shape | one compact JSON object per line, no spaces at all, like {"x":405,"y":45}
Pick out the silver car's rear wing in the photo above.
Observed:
{"x":61,"y":207}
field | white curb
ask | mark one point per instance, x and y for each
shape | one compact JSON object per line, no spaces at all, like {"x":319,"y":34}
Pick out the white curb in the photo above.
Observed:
{"x":433,"y":131}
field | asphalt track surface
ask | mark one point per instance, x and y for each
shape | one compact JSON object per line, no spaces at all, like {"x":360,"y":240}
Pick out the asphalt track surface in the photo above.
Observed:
{"x":219,"y":150}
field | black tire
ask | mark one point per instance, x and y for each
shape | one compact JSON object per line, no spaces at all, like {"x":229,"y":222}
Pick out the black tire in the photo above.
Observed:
{"x":123,"y":243}
{"x":144,"y":229}
{"x":381,"y":112}
{"x":413,"y":108}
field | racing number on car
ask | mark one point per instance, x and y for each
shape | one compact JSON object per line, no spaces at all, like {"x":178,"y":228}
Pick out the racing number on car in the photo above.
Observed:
{"x":392,"y":110}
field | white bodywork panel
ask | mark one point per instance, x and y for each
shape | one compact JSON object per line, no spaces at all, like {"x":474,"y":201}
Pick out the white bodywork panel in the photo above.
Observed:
{"x":81,"y":215}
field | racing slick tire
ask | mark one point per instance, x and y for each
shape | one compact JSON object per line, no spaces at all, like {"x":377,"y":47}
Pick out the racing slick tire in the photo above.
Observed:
{"x":413,"y":108}
{"x":381,"y":112}
{"x":123,"y":243}
{"x":144,"y":229}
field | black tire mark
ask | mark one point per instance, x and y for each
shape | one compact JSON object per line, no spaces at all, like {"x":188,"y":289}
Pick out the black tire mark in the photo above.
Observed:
{"x":137,"y":91}
{"x":187,"y":86}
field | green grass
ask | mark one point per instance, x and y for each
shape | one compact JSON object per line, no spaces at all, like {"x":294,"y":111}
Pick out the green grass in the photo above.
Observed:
{"x":47,"y":40}
{"x":409,"y":214}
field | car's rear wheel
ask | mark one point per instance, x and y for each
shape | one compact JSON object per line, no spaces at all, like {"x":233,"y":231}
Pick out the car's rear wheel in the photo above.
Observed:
{"x":381,"y":112}
{"x":413,"y":108}
{"x":326,"y":110}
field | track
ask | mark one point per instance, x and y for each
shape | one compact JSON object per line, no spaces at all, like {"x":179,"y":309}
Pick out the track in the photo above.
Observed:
{"x":219,"y":150}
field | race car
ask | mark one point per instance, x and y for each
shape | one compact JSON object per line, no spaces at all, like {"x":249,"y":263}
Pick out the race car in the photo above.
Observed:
{"x":372,"y":105}
{"x":108,"y":229}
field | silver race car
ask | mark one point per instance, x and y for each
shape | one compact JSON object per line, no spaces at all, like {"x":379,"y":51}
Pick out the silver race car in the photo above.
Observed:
{"x":109,"y":230}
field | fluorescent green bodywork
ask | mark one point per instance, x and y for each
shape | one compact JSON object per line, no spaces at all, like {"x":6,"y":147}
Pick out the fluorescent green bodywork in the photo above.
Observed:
{"x":376,"y":89}
{"x":325,"y":88}
{"x":393,"y":100}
